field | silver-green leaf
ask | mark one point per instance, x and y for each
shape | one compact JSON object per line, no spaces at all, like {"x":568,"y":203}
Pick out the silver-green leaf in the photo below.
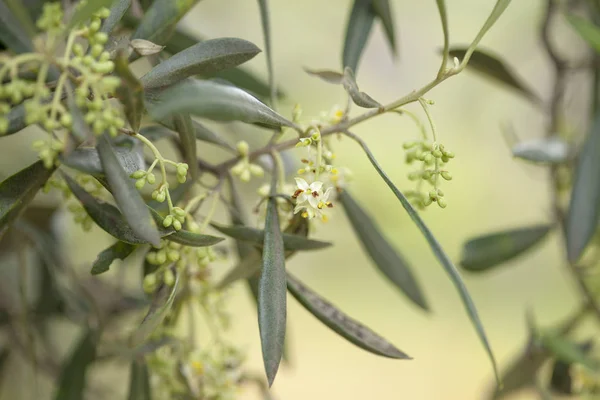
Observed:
{"x":359,"y":98}
{"x":381,"y":252}
{"x":119,"y":250}
{"x":545,"y":151}
{"x":485,"y":252}
{"x":139,"y":381}
{"x":12,"y":33}
{"x":85,"y":11}
{"x":358,"y":30}
{"x":345,"y":326}
{"x":326,"y":75}
{"x":383,"y":11}
{"x":130,"y":92}
{"x":117,"y":11}
{"x":71,"y":384}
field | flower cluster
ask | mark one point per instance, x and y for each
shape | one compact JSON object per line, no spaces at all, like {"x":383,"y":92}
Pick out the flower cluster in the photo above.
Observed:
{"x":244,"y":168}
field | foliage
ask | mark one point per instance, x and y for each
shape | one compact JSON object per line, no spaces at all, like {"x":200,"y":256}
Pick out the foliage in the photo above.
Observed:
{"x":65,"y":75}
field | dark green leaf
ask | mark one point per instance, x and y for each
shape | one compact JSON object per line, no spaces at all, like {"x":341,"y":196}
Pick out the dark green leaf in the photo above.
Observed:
{"x":350,"y":329}
{"x":71,"y":384}
{"x":326,"y":75}
{"x":522,"y":371}
{"x":272,"y":307}
{"x":125,"y":193}
{"x":139,"y":381}
{"x":384,"y":12}
{"x":86,"y":159}
{"x":12,"y":33}
{"x":119,"y":250}
{"x":583,"y":214}
{"x":117,"y":11}
{"x":145,"y":47}
{"x":185,"y":128}
{"x":17,"y":191}
{"x":16,"y":119}
{"x":85,"y":11}
{"x":384,"y":256}
{"x":442,"y":258}
{"x":106,"y":216}
{"x":547,"y":150}
{"x":214,"y":101}
{"x":358,"y":30}
{"x":130,"y":92}
{"x":160,"y":20}
{"x":161,"y":304}
{"x":203,"y":58}
{"x":20,"y":10}
{"x":201,"y":132}
{"x":359,"y":98}
{"x":484,"y":252}
{"x":184,"y":237}
{"x":256,"y":236}
{"x":266,"y":27}
{"x":492,"y":66}
{"x":587,"y":30}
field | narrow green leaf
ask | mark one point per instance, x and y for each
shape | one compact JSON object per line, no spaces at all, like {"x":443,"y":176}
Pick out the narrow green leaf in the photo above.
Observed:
{"x":381,"y":252}
{"x":129,"y":152}
{"x":587,"y":30}
{"x":492,"y":66}
{"x":16,"y":119}
{"x":12,"y":33}
{"x":384,"y":12}
{"x":359,"y":98}
{"x":119,"y":250}
{"x":117,"y":11}
{"x":583,"y":214}
{"x":145,"y":47}
{"x":214,"y":101}
{"x":71,"y":384}
{"x":187,"y":135}
{"x":546,"y":150}
{"x":266,"y":28}
{"x":326,"y":75}
{"x":139,"y":381}
{"x":358,"y":30}
{"x":272,"y":307}
{"x":522,"y":371}
{"x":160,"y":20}
{"x":345,"y":326}
{"x":17,"y":191}
{"x":442,"y":258}
{"x":19,"y":9}
{"x":162,"y":301}
{"x":125,"y":193}
{"x":256,"y":236}
{"x":202,"y":58}
{"x":566,"y":350}
{"x":485,"y":252}
{"x":130,"y":92}
{"x":201,"y":132}
{"x":86,"y":10}
{"x":106,"y":216}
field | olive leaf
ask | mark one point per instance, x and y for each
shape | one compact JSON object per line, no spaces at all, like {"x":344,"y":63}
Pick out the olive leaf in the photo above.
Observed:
{"x":586,"y":30}
{"x":16,"y":119}
{"x":145,"y":47}
{"x":266,"y":28}
{"x":272,"y":308}
{"x":348,"y":328}
{"x":139,"y":381}
{"x":493,"y":67}
{"x":117,"y":11}
{"x":119,"y":250}
{"x":130,"y":92}
{"x":185,"y":129}
{"x":86,"y":10}
{"x":128,"y":198}
{"x":326,"y":75}
{"x":201,"y":132}
{"x":71,"y":383}
{"x":12,"y":34}
{"x":383,"y":11}
{"x":381,"y":252}
{"x":256,"y":236}
{"x":202,"y":58}
{"x":358,"y":30}
{"x":17,"y":191}
{"x":80,"y":131}
{"x":21,"y":12}
{"x":485,"y":252}
{"x":441,"y":255}
{"x":162,"y":301}
{"x":546,"y":150}
{"x":359,"y":98}
{"x":583,"y":213}
{"x":214,"y":101}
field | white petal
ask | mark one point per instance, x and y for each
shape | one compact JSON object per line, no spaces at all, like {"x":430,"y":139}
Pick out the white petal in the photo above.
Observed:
{"x":313,"y":201}
{"x":316,"y":186}
{"x":298,"y":208}
{"x":302,"y":197}
{"x":326,"y":195}
{"x":301,"y":183}
{"x":310,"y":212}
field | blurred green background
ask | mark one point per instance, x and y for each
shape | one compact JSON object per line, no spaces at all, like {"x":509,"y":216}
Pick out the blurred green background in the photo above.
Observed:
{"x":490,"y":191}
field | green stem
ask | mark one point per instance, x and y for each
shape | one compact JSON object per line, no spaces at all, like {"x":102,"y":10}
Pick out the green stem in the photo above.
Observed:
{"x":161,"y":162}
{"x":441,"y":4}
{"x":57,"y":95}
{"x":423,"y":104}
{"x":280,"y":170}
{"x":211,"y":211}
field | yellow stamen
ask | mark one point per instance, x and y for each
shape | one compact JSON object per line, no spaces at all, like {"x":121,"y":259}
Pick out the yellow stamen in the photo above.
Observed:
{"x":324,"y":218}
{"x":304,"y":214}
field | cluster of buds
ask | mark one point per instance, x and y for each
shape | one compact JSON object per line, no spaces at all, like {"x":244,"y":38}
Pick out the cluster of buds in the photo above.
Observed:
{"x":175,"y":218}
{"x":154,"y":279}
{"x":244,"y":168}
{"x":48,"y":151}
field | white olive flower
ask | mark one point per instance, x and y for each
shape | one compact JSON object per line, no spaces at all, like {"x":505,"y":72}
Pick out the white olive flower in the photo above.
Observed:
{"x":310,"y":199}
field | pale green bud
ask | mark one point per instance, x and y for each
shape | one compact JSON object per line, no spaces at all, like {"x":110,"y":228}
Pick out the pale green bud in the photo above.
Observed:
{"x":433,"y":195}
{"x":49,"y":124}
{"x":105,"y":56}
{"x":99,"y":126}
{"x":97,"y":49}
{"x":245,"y":176}
{"x":446,"y":175}
{"x":178,"y":211}
{"x":149,"y":283}
{"x":429,"y":159}
{"x":169,"y":277}
{"x":103,"y":13}
{"x":78,"y":49}
{"x":139,"y":184}
{"x":181,"y":178}
{"x":173,"y":255}
{"x":138,"y":174}
{"x":88,"y":60}
{"x":101,"y":37}
{"x":66,"y":120}
{"x":94,"y":25}
{"x":440,"y":193}
{"x":161,"y":197}
{"x":168,"y":221}
{"x":151,"y":258}
{"x":256,"y":170}
{"x":442,"y":203}
{"x":437,"y":153}
{"x":427,"y":201}
{"x":176,"y":225}
{"x":243,"y":147}
{"x":3,"y":126}
{"x":161,"y":257}
{"x":151,"y":178}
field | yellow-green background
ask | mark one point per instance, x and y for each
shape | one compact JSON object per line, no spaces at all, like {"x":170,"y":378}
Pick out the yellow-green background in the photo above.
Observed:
{"x":490,"y":191}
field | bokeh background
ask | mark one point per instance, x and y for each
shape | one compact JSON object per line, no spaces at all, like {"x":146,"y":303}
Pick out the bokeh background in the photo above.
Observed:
{"x":490,"y":191}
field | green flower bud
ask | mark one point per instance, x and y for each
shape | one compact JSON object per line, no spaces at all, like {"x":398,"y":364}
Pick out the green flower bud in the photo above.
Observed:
{"x":97,"y":103}
{"x":169,"y":277}
{"x":78,"y":49}
{"x":112,"y":131}
{"x":238,"y":168}
{"x":149,"y":284}
{"x":316,"y":136}
{"x":449,"y":154}
{"x":440,"y":193}
{"x":427,"y":201}
{"x":97,"y":49}
{"x":413,"y":176}
{"x":168,"y":221}
{"x":94,"y":25}
{"x":429,"y":159}
{"x":433,"y":195}
{"x":138,"y":174}
{"x":256,"y":170}
{"x":101,"y":37}
{"x":4,"y":108}
{"x":178,"y":211}
{"x":161,"y":197}
{"x":118,"y":122}
{"x":445,"y":159}
{"x":110,"y":83}
{"x":181,"y":178}
{"x":427,"y":174}
{"x":173,"y":255}
{"x":446,"y":175}
{"x":103,"y":67}
{"x":3,"y":126}
{"x":139,"y":184}
{"x":151,"y":178}
{"x":212,"y":256}
{"x":177,"y":225}
{"x":66,"y":120}
{"x":56,"y":145}
{"x":49,"y":124}
{"x":201,"y":252}
{"x":89,"y":117}
{"x":88,"y":60}
{"x":242,"y":147}
{"x":99,"y":126}
{"x":442,"y":203}
{"x":409,"y":145}
{"x":437,"y":153}
{"x":29,"y":90}
{"x":161,"y":257}
{"x":245,"y":176}
{"x":103,"y":13}
{"x":105,"y":56}
{"x":151,"y":258}
{"x":16,"y":97}
{"x":154,"y":194}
